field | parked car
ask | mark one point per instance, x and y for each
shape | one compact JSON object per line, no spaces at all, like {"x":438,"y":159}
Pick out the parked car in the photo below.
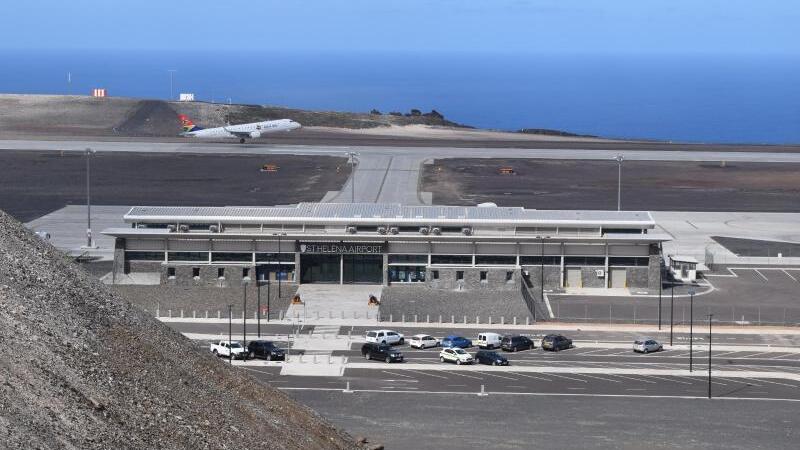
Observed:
{"x":456,"y":355}
{"x":490,"y":357}
{"x":516,"y":343}
{"x":556,"y":342}
{"x":646,"y":345}
{"x":385,"y":337}
{"x":373,"y":350}
{"x":423,"y":341}
{"x":227,"y":349}
{"x":266,"y":350}
{"x":456,"y":341}
{"x":489,"y":340}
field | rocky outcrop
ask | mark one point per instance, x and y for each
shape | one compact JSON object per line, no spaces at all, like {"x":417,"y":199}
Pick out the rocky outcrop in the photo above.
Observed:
{"x":84,"y":369}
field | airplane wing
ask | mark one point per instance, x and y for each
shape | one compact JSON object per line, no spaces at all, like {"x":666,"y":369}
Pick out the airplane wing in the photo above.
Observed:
{"x":240,"y":134}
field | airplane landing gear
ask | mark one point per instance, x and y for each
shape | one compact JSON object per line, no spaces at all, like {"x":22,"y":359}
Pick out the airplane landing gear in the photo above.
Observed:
{"x":241,"y":141}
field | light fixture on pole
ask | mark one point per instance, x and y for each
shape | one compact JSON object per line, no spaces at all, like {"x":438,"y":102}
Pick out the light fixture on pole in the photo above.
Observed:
{"x":691,"y":323}
{"x":710,"y":317}
{"x":171,"y":91}
{"x":244,"y":314}
{"x":352,"y":156}
{"x":230,"y":334}
{"x":89,"y":241}
{"x":619,"y":158}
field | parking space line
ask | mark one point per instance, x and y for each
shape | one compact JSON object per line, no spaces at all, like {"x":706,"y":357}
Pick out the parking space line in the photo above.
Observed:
{"x":397,"y":374}
{"x":789,"y":275}
{"x":529,"y":376}
{"x":498,"y":376}
{"x":464,"y":375}
{"x":704,"y":380}
{"x":428,"y":374}
{"x":636,"y":389}
{"x":592,"y":351}
{"x":761,"y":274}
{"x":668,"y":379}
{"x":600,"y":378}
{"x":576,"y":388}
{"x":632,"y":378}
{"x":563,"y":376}
{"x":760,"y":380}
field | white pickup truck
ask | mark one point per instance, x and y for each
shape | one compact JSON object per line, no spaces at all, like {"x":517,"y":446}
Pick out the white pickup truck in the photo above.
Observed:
{"x":226,"y":349}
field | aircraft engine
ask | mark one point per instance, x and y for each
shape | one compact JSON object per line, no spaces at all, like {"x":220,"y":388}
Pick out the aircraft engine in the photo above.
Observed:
{"x":255,"y":134}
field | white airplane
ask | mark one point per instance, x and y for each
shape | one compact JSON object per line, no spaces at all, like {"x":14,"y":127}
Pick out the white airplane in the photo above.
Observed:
{"x":242,"y":131}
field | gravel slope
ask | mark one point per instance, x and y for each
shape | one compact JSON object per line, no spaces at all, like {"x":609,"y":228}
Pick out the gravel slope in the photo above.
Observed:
{"x":83,"y":369}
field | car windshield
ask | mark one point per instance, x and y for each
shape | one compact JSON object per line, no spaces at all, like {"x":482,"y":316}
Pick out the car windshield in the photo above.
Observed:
{"x":638,"y":342}
{"x":236,"y":345}
{"x":371,"y":334}
{"x":490,"y":354}
{"x":459,"y":351}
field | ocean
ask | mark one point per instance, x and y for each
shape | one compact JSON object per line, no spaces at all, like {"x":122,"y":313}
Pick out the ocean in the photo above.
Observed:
{"x":697,"y":98}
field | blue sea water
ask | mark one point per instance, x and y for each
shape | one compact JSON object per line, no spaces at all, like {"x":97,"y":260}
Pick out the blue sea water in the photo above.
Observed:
{"x":700,"y":98}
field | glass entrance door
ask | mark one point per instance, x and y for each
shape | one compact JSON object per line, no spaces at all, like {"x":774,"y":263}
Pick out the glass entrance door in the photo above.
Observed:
{"x":319,"y":268}
{"x":363,"y":269}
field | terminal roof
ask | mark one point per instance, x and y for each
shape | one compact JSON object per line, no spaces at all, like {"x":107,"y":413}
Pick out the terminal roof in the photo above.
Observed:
{"x":386,"y":212}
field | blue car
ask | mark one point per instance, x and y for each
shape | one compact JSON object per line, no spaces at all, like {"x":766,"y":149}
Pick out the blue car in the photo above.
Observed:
{"x":456,"y":341}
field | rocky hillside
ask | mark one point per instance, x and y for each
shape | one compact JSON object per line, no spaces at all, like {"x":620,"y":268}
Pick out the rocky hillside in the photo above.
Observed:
{"x":73,"y":115}
{"x":83,"y":369}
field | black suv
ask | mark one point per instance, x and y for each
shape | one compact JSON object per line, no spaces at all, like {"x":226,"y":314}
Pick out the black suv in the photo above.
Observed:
{"x":373,"y":350}
{"x":266,"y":350}
{"x":491,"y":358}
{"x":556,"y":342}
{"x":516,"y":343}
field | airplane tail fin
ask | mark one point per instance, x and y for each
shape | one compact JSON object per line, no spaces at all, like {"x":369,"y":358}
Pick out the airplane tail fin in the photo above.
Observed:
{"x":187,"y":123}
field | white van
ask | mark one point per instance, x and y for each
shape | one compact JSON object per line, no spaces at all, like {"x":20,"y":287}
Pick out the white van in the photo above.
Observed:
{"x":488,"y":340}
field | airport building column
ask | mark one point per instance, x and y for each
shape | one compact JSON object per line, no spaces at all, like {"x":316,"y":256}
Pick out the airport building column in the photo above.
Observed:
{"x":119,"y":259}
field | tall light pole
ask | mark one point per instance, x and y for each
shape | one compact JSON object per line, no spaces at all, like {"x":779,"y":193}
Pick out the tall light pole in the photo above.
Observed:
{"x":660,"y":283}
{"x":89,"y":241}
{"x":230,"y":334}
{"x":671,"y":310}
{"x":619,"y":159}
{"x":691,"y":323}
{"x":258,"y":306}
{"x":280,"y":264}
{"x":710,"y":316}
{"x":352,"y":156}
{"x":244,"y":315}
{"x":171,"y":94}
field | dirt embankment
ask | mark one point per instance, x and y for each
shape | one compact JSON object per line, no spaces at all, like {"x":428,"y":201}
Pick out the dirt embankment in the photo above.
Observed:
{"x":84,"y":369}
{"x":72,"y":115}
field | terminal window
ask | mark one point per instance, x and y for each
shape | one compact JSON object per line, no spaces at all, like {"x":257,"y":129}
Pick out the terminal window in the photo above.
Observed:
{"x":171,"y":272}
{"x":509,"y":276}
{"x":459,"y":275}
{"x":246,"y":272}
{"x":484,"y":275}
{"x":196,"y":272}
{"x":221,"y":272}
{"x":435,"y":274}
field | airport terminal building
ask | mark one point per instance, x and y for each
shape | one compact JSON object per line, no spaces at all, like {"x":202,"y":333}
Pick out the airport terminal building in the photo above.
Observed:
{"x":445,"y":247}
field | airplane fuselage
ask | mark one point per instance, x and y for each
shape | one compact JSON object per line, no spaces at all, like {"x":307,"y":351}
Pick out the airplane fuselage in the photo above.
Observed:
{"x":244,"y":131}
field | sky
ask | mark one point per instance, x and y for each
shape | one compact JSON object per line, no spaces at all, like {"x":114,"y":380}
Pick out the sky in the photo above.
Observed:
{"x":509,"y":26}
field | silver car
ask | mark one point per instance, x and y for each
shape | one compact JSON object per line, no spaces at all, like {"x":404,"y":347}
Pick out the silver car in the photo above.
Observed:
{"x":646,"y":345}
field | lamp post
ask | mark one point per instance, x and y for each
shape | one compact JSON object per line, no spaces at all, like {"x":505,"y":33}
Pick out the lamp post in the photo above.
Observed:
{"x":671,"y":311}
{"x":710,"y":316}
{"x":660,"y":273}
{"x":230,"y":334}
{"x":89,"y":242}
{"x":171,"y":94}
{"x":280,"y":264}
{"x":352,"y":156}
{"x":244,"y":313}
{"x":691,"y":323}
{"x":258,"y":306}
{"x":619,"y":158}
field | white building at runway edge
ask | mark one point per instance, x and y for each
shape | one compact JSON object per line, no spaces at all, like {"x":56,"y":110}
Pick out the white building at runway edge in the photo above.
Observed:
{"x":447,"y":247}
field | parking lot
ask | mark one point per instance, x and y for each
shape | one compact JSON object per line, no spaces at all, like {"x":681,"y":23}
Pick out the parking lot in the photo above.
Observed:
{"x":738,"y":295}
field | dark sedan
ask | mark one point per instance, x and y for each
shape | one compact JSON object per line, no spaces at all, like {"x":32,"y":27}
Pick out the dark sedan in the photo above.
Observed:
{"x":491,"y":358}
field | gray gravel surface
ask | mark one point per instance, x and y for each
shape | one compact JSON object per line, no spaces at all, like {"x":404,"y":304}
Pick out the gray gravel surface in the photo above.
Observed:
{"x":84,"y":369}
